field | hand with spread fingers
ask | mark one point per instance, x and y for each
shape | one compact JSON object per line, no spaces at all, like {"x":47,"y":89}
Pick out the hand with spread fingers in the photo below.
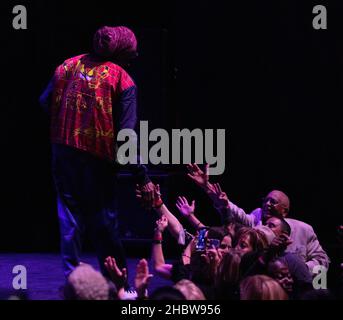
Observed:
{"x":201,"y":178}
{"x":184,"y":207}
{"x":220,"y":198}
{"x":118,"y":277}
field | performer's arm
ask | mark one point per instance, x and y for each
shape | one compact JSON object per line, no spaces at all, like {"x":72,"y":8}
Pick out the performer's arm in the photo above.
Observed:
{"x":126,"y":118}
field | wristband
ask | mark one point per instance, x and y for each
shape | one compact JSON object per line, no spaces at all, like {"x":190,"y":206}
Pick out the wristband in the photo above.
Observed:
{"x":158,"y":237}
{"x":158,"y":204}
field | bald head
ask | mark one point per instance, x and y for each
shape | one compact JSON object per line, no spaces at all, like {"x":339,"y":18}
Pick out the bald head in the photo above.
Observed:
{"x":281,"y":197}
{"x":275,"y":204}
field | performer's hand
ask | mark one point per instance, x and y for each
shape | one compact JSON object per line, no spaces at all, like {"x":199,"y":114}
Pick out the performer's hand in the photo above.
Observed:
{"x":157,"y":200}
{"x":148,"y":194}
{"x":184,"y":207}
{"x":119,"y":277}
{"x":142,"y":278}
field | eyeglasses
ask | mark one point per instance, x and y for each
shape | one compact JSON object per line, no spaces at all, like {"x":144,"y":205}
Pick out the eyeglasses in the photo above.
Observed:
{"x":271,"y":200}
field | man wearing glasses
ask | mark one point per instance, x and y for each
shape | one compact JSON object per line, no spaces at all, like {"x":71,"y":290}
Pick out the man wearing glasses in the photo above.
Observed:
{"x":304,"y":241}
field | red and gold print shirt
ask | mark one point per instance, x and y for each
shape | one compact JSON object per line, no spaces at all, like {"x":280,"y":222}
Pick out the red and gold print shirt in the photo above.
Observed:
{"x":81,"y":112}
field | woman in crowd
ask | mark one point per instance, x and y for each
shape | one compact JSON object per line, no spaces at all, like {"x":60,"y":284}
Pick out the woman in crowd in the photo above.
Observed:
{"x":261,"y":287}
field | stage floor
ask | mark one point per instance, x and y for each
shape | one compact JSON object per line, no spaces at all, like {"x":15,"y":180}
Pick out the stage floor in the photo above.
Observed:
{"x":45,"y":276}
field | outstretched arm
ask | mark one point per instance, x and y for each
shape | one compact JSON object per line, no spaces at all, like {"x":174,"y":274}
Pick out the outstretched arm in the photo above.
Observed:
{"x":187,"y":210}
{"x":187,"y":254}
{"x":199,"y":177}
{"x":161,"y":268}
{"x":174,"y":226}
{"x":227,"y":209}
{"x":125,"y":117}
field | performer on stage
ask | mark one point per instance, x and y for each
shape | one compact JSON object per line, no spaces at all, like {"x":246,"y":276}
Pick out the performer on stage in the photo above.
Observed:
{"x":90,"y":99}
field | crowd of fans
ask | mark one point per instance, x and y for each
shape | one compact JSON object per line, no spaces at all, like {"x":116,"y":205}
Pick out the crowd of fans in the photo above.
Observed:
{"x":260,"y":256}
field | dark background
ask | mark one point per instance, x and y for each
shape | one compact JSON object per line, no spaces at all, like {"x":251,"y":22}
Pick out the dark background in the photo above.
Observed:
{"x":256,"y":68}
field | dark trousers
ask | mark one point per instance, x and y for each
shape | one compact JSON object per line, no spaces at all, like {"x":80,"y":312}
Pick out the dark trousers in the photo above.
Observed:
{"x":86,"y":194}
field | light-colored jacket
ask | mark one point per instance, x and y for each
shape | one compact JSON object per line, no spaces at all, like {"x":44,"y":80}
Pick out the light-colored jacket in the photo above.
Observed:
{"x":305,"y":242}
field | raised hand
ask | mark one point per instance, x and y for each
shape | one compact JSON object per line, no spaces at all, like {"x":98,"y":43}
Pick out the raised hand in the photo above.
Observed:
{"x":148,"y":194}
{"x":184,"y":207}
{"x":212,"y":257}
{"x":157,"y":197}
{"x":119,"y":277}
{"x":280,"y":244}
{"x":162,"y":224}
{"x":154,"y":199}
{"x":200,"y":177}
{"x":219,"y":197}
{"x":142,"y":278}
{"x":215,"y":257}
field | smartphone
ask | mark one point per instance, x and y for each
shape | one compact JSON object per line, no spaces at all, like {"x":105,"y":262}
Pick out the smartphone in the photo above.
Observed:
{"x":201,"y":240}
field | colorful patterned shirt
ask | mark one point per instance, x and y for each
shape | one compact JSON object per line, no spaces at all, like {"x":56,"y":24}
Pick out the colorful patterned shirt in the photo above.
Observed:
{"x":89,"y":102}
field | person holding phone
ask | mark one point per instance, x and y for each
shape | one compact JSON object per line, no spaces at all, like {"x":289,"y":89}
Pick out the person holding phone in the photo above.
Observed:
{"x":305,"y":242}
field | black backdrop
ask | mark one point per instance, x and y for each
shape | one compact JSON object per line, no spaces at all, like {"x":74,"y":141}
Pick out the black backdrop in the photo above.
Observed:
{"x":255,"y":68}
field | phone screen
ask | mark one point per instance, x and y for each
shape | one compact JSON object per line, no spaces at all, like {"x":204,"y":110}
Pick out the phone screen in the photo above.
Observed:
{"x":201,"y":241}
